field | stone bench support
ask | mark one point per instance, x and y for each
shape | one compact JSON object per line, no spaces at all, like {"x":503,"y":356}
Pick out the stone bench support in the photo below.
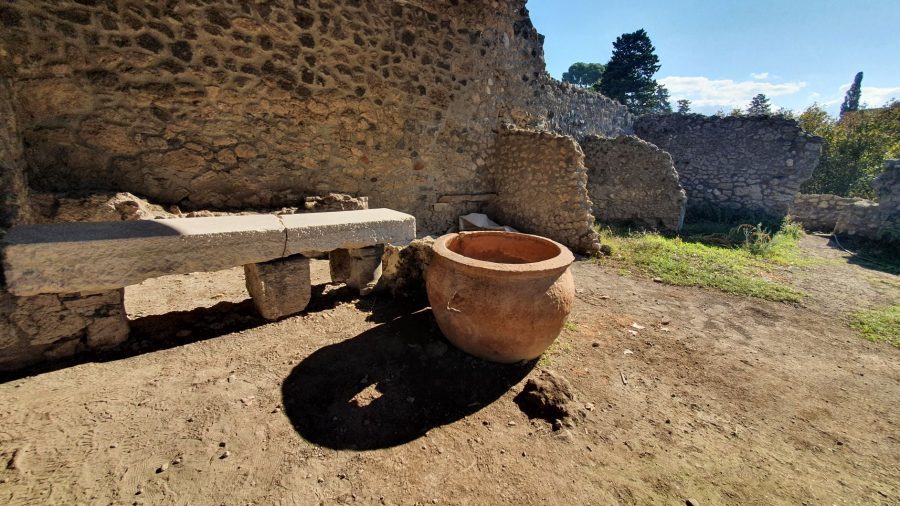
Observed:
{"x":360,"y":268}
{"x":280,"y":287}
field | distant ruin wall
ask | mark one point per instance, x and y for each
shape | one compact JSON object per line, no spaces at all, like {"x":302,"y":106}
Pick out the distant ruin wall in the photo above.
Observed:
{"x":541,"y":185}
{"x":632,"y":182}
{"x":853,"y":216}
{"x":752,"y":164}
{"x":234,"y":105}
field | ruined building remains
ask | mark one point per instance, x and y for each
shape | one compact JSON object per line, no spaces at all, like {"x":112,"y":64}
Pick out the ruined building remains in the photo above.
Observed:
{"x":752,"y":164}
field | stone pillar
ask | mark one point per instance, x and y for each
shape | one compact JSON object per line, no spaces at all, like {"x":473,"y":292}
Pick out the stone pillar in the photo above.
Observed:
{"x":359,"y":268}
{"x":280,"y":287}
{"x":50,"y":326}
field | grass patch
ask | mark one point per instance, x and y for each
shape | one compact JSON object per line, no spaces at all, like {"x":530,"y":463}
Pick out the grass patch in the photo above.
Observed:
{"x":879,"y":325}
{"x":739,"y":260}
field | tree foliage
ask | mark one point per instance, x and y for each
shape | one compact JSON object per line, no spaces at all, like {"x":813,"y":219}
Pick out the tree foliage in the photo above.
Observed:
{"x":628,"y":77}
{"x":660,"y":103}
{"x":684,"y":106}
{"x":584,"y":74}
{"x":856,"y":146}
{"x":759,"y":106}
{"x":851,"y":99}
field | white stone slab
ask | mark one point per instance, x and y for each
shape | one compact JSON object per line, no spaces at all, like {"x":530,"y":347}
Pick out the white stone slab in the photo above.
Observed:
{"x":322,"y":232}
{"x":93,"y":257}
{"x":75,"y":257}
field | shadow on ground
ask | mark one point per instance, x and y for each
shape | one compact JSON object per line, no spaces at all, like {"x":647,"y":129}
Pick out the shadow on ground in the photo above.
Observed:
{"x":872,"y":255}
{"x":390,"y":385}
{"x":152,"y":333}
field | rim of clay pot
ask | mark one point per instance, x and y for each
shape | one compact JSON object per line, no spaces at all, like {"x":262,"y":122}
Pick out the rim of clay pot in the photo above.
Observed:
{"x":560,"y":258}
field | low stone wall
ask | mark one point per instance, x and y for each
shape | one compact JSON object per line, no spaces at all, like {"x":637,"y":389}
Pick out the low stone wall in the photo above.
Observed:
{"x":633,"y":182}
{"x":747,"y":165}
{"x":852,"y":216}
{"x":541,"y":185}
{"x":821,"y":212}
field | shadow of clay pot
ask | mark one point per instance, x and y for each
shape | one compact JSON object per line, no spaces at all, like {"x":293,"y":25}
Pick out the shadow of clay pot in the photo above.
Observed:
{"x":500,"y":296}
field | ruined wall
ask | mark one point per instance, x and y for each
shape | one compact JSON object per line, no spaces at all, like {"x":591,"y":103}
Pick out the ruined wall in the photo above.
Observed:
{"x":541,"y":184}
{"x":258,"y":104}
{"x":887,"y":185}
{"x":750,"y":164}
{"x":853,"y":216}
{"x":632,"y":182}
{"x":13,"y":184}
{"x":830,"y":213}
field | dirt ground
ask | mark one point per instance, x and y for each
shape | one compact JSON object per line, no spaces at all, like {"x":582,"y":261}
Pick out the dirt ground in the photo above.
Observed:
{"x":718,"y":399}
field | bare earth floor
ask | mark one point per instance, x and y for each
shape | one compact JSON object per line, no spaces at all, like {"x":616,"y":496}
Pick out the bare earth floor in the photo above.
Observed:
{"x":733,"y":401}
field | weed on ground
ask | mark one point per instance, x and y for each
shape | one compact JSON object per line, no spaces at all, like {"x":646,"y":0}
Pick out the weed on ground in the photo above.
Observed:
{"x":879,"y":325}
{"x":742,"y":260}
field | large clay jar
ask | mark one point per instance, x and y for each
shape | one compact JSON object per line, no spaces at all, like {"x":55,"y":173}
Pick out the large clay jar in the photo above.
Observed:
{"x":500,"y":296}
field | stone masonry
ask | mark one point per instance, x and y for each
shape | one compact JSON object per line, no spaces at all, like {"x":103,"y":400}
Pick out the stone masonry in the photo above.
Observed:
{"x":541,"y":184}
{"x":235,"y":105}
{"x":632,"y":182}
{"x":854,"y":216}
{"x":747,"y":165}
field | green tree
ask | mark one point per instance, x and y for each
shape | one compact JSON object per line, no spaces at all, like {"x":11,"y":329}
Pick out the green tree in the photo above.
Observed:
{"x":628,"y":77}
{"x":851,"y":99}
{"x":660,"y":103}
{"x":584,"y":74}
{"x":759,"y":106}
{"x":856,"y":145}
{"x":684,"y":106}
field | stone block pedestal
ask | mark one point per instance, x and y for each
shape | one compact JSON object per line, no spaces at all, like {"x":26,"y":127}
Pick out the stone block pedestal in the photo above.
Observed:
{"x":279,"y":287}
{"x":359,"y":268}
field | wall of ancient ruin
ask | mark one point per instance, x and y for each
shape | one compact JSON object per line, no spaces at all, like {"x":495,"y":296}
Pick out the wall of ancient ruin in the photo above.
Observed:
{"x":887,"y":185}
{"x":13,"y":184}
{"x":541,"y":185}
{"x":633,"y":182}
{"x":258,"y":104}
{"x":854,"y":216}
{"x":830,"y":213}
{"x":752,"y":164}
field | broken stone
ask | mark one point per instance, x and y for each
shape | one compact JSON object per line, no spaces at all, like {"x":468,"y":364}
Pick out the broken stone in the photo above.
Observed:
{"x":550,"y":397}
{"x":404,"y":268}
{"x":477,"y":221}
{"x":280,"y":287}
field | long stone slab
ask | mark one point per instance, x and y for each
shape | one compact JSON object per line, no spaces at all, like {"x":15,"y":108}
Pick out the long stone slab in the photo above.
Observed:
{"x":80,"y":257}
{"x":84,"y":257}
{"x":322,"y":232}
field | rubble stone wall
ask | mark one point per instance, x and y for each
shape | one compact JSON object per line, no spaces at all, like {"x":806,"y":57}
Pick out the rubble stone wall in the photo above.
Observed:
{"x":860,"y":217}
{"x":752,"y":164}
{"x":541,"y":185}
{"x":632,"y":182}
{"x":233,"y":105}
{"x":13,"y":184}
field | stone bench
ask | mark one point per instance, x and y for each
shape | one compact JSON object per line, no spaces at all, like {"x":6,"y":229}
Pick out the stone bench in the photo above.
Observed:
{"x":274,"y":250}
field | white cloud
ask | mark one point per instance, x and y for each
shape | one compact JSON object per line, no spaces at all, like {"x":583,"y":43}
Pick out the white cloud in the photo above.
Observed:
{"x":872,"y":96}
{"x":724,"y":93}
{"x":876,"y":97}
{"x":760,"y":75}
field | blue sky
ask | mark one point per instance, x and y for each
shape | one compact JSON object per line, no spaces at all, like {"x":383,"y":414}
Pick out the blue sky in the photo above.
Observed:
{"x":720,"y":53}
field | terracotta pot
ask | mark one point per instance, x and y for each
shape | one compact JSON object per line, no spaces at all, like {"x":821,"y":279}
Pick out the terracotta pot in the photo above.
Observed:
{"x":500,"y":296}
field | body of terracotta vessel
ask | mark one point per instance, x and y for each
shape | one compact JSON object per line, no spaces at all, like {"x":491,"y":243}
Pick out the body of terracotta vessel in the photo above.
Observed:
{"x":500,"y":296}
